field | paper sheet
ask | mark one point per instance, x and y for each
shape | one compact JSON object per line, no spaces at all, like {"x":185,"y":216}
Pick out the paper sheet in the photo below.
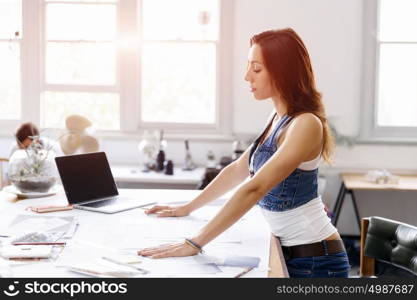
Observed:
{"x":180,"y":266}
{"x":79,"y":251}
{"x":102,"y":268}
{"x":33,"y":223}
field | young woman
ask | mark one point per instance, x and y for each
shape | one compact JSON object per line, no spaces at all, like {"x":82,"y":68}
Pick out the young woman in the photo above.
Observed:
{"x":282,"y":163}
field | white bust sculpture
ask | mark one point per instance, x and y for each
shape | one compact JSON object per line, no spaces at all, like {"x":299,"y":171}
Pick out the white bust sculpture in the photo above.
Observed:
{"x":78,"y":138}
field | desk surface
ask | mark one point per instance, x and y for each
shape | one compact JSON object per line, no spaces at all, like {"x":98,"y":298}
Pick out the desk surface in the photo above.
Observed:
{"x":127,"y":173}
{"x":357,"y":181}
{"x":132,"y":230}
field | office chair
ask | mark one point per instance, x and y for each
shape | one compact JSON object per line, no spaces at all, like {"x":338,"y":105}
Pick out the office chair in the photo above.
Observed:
{"x":388,"y":248}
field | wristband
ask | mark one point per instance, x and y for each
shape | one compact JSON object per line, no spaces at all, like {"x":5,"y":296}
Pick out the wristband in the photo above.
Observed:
{"x":194,"y":245}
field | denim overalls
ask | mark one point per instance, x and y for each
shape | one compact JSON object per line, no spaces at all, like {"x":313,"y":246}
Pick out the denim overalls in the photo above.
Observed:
{"x":297,"y":189}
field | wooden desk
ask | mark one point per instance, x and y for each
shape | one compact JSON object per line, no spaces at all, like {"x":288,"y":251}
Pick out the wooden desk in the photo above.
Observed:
{"x":357,"y":181}
{"x":277,"y":266}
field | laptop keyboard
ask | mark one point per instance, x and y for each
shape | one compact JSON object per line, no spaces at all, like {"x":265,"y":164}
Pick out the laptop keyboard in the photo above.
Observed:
{"x":102,"y":203}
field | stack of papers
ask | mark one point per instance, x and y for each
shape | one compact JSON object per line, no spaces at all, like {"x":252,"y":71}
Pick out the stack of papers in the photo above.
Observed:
{"x":39,"y":230}
{"x":14,"y":252}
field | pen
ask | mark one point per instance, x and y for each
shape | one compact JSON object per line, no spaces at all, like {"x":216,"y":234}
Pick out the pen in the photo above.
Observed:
{"x":126,"y":265}
{"x":41,"y":243}
{"x":245,"y":271}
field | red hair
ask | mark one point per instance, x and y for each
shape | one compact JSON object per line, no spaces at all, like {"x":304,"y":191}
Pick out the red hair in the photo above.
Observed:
{"x":26,"y":130}
{"x":288,"y":63}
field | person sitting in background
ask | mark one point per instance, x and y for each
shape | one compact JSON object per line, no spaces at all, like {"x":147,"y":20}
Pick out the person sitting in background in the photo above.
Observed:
{"x":26,"y":134}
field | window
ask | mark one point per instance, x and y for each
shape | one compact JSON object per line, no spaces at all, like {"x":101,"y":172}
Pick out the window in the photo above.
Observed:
{"x":390,"y":74}
{"x":126,"y":65}
{"x":10,"y":37}
{"x":80,"y":64}
{"x":179,"y":61}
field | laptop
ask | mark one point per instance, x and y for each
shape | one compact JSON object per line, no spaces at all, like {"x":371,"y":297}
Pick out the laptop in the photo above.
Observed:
{"x":89,"y":184}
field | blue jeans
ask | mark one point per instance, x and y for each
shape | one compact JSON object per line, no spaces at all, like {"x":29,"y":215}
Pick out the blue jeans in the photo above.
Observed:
{"x":331,"y":265}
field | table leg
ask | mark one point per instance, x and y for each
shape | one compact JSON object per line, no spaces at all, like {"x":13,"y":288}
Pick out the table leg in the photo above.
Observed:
{"x":355,"y":207}
{"x":339,"y":202}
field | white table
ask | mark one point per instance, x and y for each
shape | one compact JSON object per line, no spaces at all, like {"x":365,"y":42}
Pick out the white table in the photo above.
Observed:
{"x":133,"y":230}
{"x":128,"y":176}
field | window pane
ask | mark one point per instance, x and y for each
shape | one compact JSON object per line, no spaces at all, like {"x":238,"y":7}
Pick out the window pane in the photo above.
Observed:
{"x":81,"y":63}
{"x":10,"y":18}
{"x":81,"y":22}
{"x":398,"y":20}
{"x":397,"y":88}
{"x":180,"y":19}
{"x":183,"y":90}
{"x":10,"y":80}
{"x":100,"y":108}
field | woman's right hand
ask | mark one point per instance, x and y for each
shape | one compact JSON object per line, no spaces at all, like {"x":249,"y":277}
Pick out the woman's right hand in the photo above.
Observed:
{"x":169,"y":211}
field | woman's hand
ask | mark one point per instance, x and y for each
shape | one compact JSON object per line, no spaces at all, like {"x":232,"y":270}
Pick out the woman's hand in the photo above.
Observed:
{"x":169,"y":211}
{"x":169,"y":250}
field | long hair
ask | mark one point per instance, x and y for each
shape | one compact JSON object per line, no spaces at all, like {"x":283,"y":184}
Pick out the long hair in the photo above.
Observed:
{"x":288,"y":63}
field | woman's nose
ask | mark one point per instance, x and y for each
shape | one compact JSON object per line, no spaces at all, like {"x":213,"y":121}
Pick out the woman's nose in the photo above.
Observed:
{"x":246,"y":76}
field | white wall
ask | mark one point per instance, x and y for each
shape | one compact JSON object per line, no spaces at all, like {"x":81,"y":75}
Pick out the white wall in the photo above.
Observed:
{"x":332,"y":31}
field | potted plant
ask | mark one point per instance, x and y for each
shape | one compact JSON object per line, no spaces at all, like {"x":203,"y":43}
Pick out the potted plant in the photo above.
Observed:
{"x":33,"y":169}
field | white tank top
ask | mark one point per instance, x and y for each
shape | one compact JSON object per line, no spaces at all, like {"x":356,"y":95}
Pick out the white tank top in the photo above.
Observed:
{"x":305,"y":224}
{"x":311,"y":164}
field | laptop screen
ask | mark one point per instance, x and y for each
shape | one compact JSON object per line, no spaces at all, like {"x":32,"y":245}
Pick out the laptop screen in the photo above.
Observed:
{"x":86,"y":177}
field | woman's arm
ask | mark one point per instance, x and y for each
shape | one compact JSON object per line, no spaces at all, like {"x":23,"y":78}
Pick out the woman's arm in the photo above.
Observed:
{"x":228,"y":178}
{"x":303,"y":136}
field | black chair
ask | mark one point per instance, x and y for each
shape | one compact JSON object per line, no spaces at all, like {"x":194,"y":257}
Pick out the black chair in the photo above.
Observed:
{"x":208,"y":176}
{"x":388,"y":248}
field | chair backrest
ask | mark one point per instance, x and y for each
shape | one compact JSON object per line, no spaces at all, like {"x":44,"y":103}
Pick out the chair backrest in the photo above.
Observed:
{"x":392,"y":245}
{"x":2,"y":161}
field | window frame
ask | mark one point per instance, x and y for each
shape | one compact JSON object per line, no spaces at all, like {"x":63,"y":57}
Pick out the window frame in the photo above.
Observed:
{"x":370,"y":131}
{"x":33,"y":81}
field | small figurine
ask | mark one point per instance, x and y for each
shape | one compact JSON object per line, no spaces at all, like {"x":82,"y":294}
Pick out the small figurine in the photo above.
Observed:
{"x":188,"y":164}
{"x":169,"y":167}
{"x":160,"y":158}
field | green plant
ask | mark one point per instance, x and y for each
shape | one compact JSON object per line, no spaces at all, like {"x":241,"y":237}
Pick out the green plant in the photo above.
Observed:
{"x":341,"y":139}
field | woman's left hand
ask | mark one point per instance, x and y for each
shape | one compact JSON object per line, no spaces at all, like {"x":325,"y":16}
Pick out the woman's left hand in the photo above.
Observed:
{"x":169,"y":250}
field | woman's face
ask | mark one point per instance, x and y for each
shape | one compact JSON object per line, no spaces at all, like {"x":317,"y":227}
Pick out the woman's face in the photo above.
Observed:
{"x":26,"y":143}
{"x":257,"y":75}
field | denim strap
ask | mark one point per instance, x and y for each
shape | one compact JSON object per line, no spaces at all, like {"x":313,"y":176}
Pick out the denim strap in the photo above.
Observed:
{"x":281,"y":124}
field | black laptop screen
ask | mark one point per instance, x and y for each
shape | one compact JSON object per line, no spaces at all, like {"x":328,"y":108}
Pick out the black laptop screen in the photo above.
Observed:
{"x":86,"y":177}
